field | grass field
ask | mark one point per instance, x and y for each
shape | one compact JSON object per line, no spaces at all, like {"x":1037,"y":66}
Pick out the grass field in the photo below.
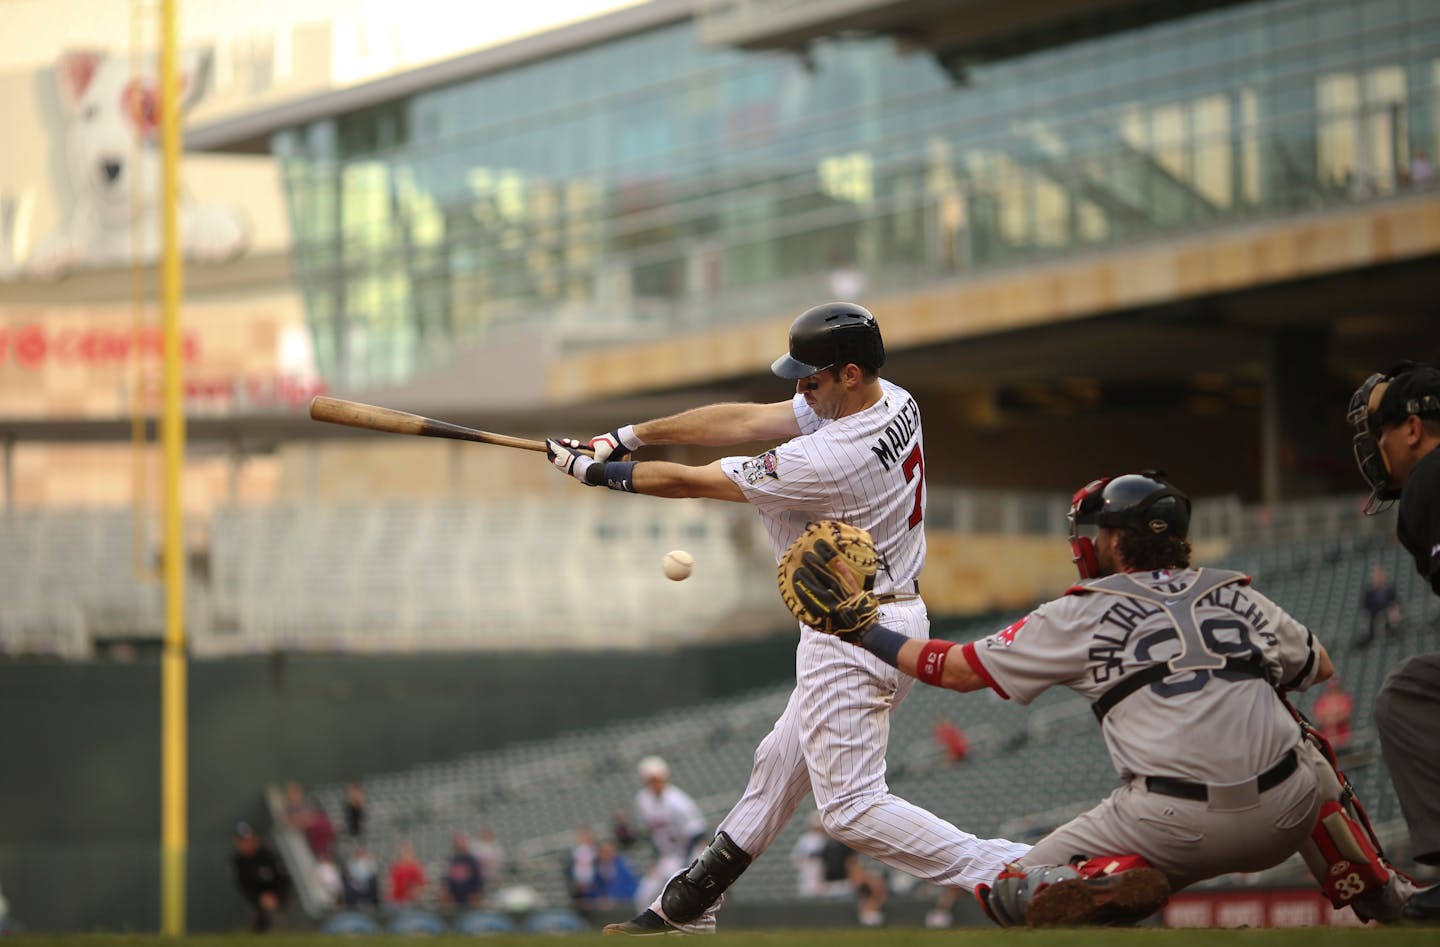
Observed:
{"x":899,"y":937}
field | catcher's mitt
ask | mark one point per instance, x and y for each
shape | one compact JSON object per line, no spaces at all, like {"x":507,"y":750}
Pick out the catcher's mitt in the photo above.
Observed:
{"x":827,"y":577}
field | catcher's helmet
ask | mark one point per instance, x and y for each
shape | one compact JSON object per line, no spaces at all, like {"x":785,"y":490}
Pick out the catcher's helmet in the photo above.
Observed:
{"x":1144,"y":503}
{"x":1382,"y":400}
{"x":828,"y":335}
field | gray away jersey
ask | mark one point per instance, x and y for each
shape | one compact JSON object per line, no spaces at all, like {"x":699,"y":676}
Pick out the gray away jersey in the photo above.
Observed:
{"x":867,"y":469}
{"x":1204,"y":724}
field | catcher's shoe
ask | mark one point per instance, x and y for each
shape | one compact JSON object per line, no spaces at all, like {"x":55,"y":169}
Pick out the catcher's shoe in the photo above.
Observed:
{"x":1122,"y":898}
{"x":1423,"y":907}
{"x":645,"y":924}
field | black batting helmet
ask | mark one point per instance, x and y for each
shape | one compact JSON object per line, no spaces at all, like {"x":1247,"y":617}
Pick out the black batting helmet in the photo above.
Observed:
{"x":829,"y":335}
{"x":1144,"y":503}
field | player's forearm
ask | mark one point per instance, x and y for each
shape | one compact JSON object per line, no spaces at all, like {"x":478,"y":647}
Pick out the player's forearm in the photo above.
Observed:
{"x":658,"y":478}
{"x":719,"y":425}
{"x":940,"y":663}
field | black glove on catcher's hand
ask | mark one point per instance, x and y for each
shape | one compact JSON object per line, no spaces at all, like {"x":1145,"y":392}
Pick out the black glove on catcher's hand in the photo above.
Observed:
{"x":827,"y":579}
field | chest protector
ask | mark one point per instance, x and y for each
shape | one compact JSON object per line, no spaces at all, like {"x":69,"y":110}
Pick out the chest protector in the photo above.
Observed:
{"x":1180,"y":608}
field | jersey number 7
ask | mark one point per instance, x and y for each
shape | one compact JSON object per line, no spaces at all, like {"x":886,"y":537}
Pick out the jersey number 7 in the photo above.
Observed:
{"x":914,"y":467}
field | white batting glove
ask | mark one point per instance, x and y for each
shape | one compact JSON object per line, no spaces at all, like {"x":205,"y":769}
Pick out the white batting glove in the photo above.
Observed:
{"x":616,"y":445}
{"x":565,"y":456}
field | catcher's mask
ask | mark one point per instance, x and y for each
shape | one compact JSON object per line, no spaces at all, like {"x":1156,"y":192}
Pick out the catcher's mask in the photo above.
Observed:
{"x":1382,"y":400}
{"x":1144,"y":503}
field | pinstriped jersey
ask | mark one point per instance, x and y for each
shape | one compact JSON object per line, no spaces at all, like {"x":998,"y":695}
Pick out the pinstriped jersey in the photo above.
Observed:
{"x":1201,"y":722}
{"x":672,"y":819}
{"x":867,"y":469}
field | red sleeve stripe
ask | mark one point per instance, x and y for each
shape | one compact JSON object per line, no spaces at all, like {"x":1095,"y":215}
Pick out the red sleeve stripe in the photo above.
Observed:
{"x":973,"y":659}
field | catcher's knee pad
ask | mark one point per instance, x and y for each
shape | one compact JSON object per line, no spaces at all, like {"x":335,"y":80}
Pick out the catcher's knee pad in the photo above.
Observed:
{"x":690,"y":893}
{"x":1340,"y":856}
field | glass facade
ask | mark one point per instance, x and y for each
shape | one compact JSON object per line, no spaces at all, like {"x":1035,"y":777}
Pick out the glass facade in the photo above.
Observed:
{"x":642,"y":182}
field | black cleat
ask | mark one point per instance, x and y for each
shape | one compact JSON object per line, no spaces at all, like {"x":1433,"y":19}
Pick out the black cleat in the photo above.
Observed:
{"x":1126,"y":897}
{"x":646,"y":924}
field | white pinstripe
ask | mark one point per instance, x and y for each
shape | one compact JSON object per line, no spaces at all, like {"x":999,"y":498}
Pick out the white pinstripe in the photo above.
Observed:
{"x":832,"y":736}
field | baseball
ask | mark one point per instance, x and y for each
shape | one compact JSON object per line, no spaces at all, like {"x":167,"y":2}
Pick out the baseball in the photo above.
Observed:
{"x":678,"y":564}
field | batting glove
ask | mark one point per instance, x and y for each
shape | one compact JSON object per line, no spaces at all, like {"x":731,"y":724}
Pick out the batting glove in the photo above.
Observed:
{"x":616,"y":445}
{"x":565,"y":456}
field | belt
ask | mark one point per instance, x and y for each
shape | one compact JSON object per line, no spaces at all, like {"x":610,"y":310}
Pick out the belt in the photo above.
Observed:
{"x":1199,"y":792}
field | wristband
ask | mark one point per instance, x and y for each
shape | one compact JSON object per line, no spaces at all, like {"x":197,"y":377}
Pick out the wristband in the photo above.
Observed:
{"x":884,"y":643}
{"x":617,"y":475}
{"x":582,"y":467}
{"x":931,"y":666}
{"x":626,"y":435}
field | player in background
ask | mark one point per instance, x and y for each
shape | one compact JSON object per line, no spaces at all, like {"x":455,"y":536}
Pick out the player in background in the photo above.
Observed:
{"x":853,"y":448}
{"x":673,"y":823}
{"x":1396,"y":416}
{"x":1181,"y":666}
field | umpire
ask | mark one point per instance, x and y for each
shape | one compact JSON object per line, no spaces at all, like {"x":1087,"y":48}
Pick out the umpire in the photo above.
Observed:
{"x":1396,"y":416}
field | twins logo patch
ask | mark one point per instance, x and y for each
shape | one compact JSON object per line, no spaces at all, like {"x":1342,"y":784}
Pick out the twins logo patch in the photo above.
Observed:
{"x":758,"y":468}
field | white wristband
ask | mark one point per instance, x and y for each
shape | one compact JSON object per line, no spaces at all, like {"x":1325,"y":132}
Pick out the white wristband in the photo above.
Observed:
{"x":629,"y":438}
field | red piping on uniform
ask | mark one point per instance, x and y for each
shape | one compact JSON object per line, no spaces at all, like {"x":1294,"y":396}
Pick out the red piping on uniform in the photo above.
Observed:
{"x":973,"y":659}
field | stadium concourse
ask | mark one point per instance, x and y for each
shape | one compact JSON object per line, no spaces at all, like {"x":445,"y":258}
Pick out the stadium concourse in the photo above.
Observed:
{"x":1025,"y":771}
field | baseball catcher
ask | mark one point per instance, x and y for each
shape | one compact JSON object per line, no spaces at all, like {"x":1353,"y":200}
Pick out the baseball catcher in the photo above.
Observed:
{"x":1183,"y":668}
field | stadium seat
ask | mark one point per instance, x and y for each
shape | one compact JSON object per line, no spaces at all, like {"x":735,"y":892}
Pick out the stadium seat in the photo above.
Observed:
{"x":416,"y":921}
{"x":484,"y":922}
{"x":350,"y":922}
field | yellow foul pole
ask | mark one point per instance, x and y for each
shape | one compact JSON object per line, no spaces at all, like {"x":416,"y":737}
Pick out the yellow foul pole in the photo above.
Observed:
{"x":173,"y":764}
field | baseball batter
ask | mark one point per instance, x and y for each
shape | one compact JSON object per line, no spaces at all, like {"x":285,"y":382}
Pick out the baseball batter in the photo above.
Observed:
{"x":1181,"y":667}
{"x":672,"y":821}
{"x":853,"y":448}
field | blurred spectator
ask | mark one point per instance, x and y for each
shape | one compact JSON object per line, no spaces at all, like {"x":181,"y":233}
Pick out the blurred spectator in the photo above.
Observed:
{"x":319,"y":830}
{"x":616,"y":882}
{"x":362,"y":879}
{"x":308,"y":817}
{"x":674,"y":823}
{"x":951,"y":739}
{"x":843,"y":868}
{"x":1382,"y":606}
{"x":622,"y":830}
{"x":355,"y":809}
{"x":805,"y":856}
{"x":464,"y":881}
{"x":582,"y":870}
{"x":491,"y":854}
{"x":328,"y":874}
{"x":1333,"y":711}
{"x":260,"y":877}
{"x":1422,"y":171}
{"x":943,"y":913}
{"x":407,"y":876}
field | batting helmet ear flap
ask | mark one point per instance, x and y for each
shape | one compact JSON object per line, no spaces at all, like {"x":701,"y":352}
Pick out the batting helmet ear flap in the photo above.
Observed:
{"x":1084,"y":507}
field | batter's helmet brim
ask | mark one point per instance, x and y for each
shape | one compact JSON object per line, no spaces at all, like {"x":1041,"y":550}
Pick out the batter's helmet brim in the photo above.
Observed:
{"x":788,"y":366}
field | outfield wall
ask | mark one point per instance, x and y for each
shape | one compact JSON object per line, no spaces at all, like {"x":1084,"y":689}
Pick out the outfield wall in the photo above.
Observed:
{"x":79,"y":803}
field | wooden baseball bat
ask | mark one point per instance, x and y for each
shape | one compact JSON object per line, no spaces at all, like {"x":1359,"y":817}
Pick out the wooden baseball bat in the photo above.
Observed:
{"x":376,"y":418}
